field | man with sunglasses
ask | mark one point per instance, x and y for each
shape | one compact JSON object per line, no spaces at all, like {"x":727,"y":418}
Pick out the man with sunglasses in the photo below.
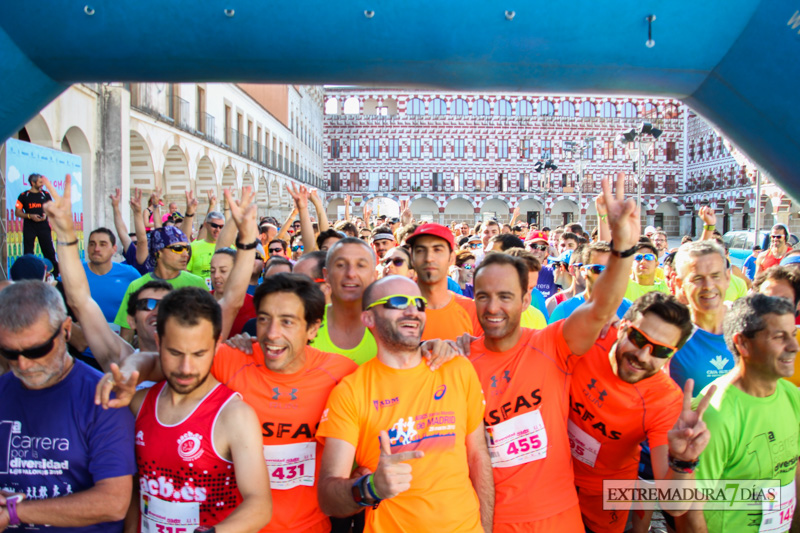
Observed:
{"x":70,"y":460}
{"x":778,"y":248}
{"x":203,"y":249}
{"x":643,"y":277}
{"x":525,"y":375}
{"x":277,"y":247}
{"x":171,"y":250}
{"x":396,"y":419}
{"x":538,"y":245}
{"x":620,"y":397}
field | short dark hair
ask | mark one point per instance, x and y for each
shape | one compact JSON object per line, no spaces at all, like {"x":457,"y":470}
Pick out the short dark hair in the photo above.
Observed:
{"x":189,"y":305}
{"x":283,"y":243}
{"x":568,"y":235}
{"x":596,"y":247}
{"x":780,"y":273}
{"x":319,"y":261}
{"x":646,"y":243}
{"x":226,"y":251}
{"x":667,"y":308}
{"x":533,"y":264}
{"x":156,"y":285}
{"x":346,"y":227}
{"x":111,"y":236}
{"x":301,"y":286}
{"x":746,"y":316}
{"x":277,"y":260}
{"x":327,"y":234}
{"x":507,"y":241}
{"x":499,"y":258}
{"x":575,"y":228}
{"x":379,"y":230}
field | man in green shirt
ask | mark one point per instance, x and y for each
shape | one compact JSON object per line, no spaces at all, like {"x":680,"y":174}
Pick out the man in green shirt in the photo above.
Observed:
{"x":170,"y":248}
{"x":643,"y":275}
{"x":203,"y":249}
{"x":754,"y":416}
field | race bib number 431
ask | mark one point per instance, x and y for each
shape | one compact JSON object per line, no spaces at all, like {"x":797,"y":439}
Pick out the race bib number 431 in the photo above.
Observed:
{"x":291,"y":465}
{"x":517,"y":441}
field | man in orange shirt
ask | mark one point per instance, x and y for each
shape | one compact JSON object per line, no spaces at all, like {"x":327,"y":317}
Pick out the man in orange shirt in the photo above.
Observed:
{"x":621,"y":397}
{"x":287,"y":383}
{"x":393,"y":416}
{"x":525,"y":375}
{"x":448,"y":315}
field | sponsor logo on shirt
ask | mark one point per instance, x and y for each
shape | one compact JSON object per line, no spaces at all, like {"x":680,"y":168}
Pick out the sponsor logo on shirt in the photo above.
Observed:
{"x":140,"y":438}
{"x":425,"y":428}
{"x":587,"y":416}
{"x":719,"y":362}
{"x":27,"y":455}
{"x":292,"y":394}
{"x":594,"y":394}
{"x":506,"y":376}
{"x":521,"y":403}
{"x":439,"y":394}
{"x":190,"y":446}
{"x":378,"y":404}
{"x":163,"y":488}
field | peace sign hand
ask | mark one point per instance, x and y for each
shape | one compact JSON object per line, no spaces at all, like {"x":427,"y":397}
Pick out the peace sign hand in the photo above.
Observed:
{"x":689,"y":436}
{"x":393,"y":475}
{"x":623,"y":215}
{"x":244,"y":214}
{"x":60,"y":208}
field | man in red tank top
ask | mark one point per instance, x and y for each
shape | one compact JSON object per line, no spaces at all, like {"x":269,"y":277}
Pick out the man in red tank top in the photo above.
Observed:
{"x":778,"y":247}
{"x":198,"y":445}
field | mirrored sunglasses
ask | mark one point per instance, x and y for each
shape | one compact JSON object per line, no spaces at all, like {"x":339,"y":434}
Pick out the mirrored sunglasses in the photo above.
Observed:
{"x":400,"y":302}
{"x":640,"y":339}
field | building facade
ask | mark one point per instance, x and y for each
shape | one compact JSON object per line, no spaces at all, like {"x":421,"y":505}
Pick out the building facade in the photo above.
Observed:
{"x":467,"y":156}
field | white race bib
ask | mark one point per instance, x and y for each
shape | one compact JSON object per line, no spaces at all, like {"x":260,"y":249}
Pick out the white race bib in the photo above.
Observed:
{"x":777,"y":517}
{"x":517,"y":441}
{"x":584,"y":448}
{"x":160,"y":516}
{"x":291,"y":465}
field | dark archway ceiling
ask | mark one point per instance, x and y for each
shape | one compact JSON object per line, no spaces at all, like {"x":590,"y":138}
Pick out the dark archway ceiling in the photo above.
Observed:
{"x":737,"y":62}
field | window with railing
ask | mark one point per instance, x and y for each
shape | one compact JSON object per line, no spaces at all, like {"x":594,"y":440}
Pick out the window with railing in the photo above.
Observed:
{"x":608,"y":150}
{"x":233,"y":138}
{"x":525,"y":148}
{"x":336,"y":149}
{"x":335,"y":185}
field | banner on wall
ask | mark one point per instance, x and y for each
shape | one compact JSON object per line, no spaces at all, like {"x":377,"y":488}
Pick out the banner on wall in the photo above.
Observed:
{"x":24,"y":159}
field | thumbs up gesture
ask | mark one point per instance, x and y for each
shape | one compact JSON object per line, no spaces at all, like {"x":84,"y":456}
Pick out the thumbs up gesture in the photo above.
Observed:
{"x":393,"y":474}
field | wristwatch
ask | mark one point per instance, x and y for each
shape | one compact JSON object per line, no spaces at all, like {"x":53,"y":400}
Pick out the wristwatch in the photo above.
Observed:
{"x":359,"y":494}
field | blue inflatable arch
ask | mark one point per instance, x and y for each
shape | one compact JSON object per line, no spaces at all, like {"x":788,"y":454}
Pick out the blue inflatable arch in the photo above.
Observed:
{"x":737,"y":62}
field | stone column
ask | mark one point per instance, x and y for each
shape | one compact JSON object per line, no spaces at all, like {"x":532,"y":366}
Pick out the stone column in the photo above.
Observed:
{"x":113,"y":157}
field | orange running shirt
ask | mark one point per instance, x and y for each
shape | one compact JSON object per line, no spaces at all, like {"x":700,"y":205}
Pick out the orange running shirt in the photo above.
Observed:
{"x":421,"y":410}
{"x":527,"y":405}
{"x":288,"y":407}
{"x":609,"y":418}
{"x":453,"y":320}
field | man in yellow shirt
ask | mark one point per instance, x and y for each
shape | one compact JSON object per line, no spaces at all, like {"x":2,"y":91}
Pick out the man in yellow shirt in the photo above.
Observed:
{"x":643,"y":275}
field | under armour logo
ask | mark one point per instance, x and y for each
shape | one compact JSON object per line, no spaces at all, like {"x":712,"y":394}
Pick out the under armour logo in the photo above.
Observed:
{"x":294,"y":394}
{"x":603,"y":395}
{"x":719,"y":362}
{"x":277,"y":393}
{"x":507,"y":376}
{"x":494,"y":381}
{"x":592,"y":384}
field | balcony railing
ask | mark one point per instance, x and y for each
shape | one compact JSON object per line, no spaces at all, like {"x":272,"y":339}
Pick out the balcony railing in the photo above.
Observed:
{"x":205,"y":126}
{"x":179,"y":111}
{"x":234,"y":138}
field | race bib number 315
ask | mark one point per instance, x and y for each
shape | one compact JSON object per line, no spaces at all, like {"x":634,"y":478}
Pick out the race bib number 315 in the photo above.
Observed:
{"x":291,"y":465}
{"x":517,"y":441}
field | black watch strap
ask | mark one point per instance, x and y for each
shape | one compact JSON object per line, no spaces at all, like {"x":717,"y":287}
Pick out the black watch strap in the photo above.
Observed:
{"x":251,"y":246}
{"x":622,"y":255}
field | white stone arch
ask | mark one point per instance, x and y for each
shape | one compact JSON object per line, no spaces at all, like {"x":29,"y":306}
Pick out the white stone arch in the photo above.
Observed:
{"x":424,"y":209}
{"x":370,"y":106}
{"x":497,"y":206}
{"x":560,"y":207}
{"x":248,"y":180}
{"x":332,"y":209}
{"x":142,"y":172}
{"x":39,"y":132}
{"x":352,"y":106}
{"x":229,"y":178}
{"x":274,"y":195}
{"x":383,"y":204}
{"x":76,"y":142}
{"x":531,"y":205}
{"x":332,"y":106}
{"x":176,"y":175}
{"x":262,"y":195}
{"x":668,"y":212}
{"x":459,"y":209}
{"x":206,"y":179}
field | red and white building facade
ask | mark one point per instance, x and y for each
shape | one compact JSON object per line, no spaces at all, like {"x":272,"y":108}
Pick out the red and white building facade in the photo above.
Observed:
{"x":466,"y":156}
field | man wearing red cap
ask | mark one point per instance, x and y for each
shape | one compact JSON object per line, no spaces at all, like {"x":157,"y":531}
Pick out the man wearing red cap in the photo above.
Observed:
{"x":448,"y":315}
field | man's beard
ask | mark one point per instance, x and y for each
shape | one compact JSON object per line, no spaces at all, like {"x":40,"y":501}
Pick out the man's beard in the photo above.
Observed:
{"x":391,"y":337}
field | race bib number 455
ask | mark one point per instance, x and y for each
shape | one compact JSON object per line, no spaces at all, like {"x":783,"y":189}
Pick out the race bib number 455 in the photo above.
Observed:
{"x":291,"y":465}
{"x":517,"y":441}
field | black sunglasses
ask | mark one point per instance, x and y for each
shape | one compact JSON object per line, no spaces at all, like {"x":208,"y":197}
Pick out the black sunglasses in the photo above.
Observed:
{"x":640,"y":339}
{"x":147,"y":304}
{"x":396,"y":261}
{"x":37,"y":352}
{"x":215,"y":226}
{"x":275,"y":250}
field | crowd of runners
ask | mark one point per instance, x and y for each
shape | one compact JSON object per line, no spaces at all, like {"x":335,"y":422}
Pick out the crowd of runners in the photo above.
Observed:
{"x":391,"y":375}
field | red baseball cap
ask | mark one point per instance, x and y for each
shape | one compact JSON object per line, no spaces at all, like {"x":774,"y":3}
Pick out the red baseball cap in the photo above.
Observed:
{"x":434,"y":230}
{"x":537,"y":236}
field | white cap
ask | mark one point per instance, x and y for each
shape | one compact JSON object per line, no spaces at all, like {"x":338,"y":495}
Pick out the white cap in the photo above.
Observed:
{"x":649,"y":229}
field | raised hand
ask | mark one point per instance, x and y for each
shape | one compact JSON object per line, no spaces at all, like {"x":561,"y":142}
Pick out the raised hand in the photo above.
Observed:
{"x":123,"y":386}
{"x":191,"y":203}
{"x":689,"y":436}
{"x":347,"y":199}
{"x":623,"y":215}
{"x":393,"y":474}
{"x":136,"y":200}
{"x":437,"y":352}
{"x":600,"y":205}
{"x":313,"y":195}
{"x":60,"y":208}
{"x":299,"y":194}
{"x":115,"y":198}
{"x":212,"y":197}
{"x":707,"y":215}
{"x":243,"y":213}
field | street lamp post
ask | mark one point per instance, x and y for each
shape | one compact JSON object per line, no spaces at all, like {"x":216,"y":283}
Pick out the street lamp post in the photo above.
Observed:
{"x":637,"y":142}
{"x":580,"y":166}
{"x":548,"y":167}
